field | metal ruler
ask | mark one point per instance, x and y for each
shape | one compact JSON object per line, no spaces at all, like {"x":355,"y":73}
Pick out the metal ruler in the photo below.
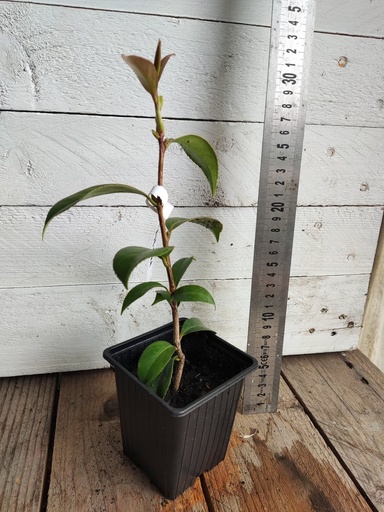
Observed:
{"x":289,"y":62}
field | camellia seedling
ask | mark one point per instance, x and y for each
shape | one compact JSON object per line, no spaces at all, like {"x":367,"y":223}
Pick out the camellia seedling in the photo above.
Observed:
{"x":156,"y":367}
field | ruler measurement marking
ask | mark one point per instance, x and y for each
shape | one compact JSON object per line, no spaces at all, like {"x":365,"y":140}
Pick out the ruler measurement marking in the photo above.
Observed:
{"x":291,"y":31}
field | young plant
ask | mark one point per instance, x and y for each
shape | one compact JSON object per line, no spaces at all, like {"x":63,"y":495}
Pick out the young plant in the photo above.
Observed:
{"x":156,"y":364}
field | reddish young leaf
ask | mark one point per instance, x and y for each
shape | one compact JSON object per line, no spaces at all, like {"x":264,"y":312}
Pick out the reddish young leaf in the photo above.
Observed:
{"x":145,"y":71}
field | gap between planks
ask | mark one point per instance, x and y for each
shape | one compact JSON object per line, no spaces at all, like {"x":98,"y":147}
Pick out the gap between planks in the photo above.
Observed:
{"x":279,"y":462}
{"x":276,"y":462}
{"x":350,"y":417}
{"x":27,"y":407}
{"x":285,"y":465}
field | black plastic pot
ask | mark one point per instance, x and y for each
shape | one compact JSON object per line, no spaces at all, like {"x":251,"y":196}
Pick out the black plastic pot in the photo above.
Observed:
{"x":175,"y":445}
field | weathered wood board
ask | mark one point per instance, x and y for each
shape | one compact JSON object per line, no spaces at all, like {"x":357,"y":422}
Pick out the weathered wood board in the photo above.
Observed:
{"x":358,"y":18}
{"x":63,"y":328}
{"x":280,"y":462}
{"x":62,"y":59}
{"x":349,"y":410}
{"x":80,"y":244}
{"x":26,"y":411}
{"x":228,"y":82}
{"x":89,"y":470}
{"x":327,"y":456}
{"x":44,"y":157}
{"x":371,"y":341}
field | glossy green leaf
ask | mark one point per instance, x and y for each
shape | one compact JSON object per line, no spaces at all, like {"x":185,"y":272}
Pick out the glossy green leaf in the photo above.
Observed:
{"x":161,"y":384}
{"x":193,"y":325}
{"x":145,"y":71}
{"x":192,"y":293}
{"x":138,"y":291}
{"x":87,"y":193}
{"x":162,"y":295}
{"x":179,"y":268}
{"x":128,"y":258}
{"x":153,"y":360}
{"x":213,"y":225}
{"x":202,"y":154}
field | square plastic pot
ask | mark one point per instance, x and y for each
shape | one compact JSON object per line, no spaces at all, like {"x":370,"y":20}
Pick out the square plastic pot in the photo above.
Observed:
{"x":175,"y":445}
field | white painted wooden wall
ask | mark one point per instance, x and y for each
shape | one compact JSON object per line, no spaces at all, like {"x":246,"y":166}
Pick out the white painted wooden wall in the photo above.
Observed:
{"x":73,"y":115}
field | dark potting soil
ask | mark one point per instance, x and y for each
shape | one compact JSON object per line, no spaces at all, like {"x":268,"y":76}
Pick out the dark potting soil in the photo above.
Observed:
{"x":205,"y":369}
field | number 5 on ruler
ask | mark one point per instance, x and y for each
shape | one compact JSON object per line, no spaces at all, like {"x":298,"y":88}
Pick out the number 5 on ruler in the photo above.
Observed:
{"x":288,"y":72}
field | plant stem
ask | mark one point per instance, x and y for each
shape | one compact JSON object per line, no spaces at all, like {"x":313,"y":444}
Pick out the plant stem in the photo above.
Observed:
{"x":160,"y":170}
{"x":168,"y":264}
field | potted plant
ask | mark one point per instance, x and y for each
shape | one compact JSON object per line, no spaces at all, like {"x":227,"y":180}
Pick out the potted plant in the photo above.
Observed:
{"x":178,"y":385}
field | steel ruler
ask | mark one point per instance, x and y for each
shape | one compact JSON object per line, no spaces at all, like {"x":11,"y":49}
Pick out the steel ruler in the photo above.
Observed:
{"x":288,"y":74}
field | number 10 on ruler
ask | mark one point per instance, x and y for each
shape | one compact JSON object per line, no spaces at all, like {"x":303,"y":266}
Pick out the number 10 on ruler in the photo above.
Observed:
{"x":288,"y":72}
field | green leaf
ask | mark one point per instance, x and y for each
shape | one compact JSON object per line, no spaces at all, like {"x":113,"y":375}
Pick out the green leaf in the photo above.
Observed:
{"x":161,"y":384}
{"x":97,"y":190}
{"x":145,"y":71}
{"x":162,"y":295}
{"x":192,"y":293}
{"x":153,"y":360}
{"x":179,"y":268}
{"x":193,"y":325}
{"x":202,"y":154}
{"x":128,"y":258}
{"x":138,"y":291}
{"x":213,"y":225}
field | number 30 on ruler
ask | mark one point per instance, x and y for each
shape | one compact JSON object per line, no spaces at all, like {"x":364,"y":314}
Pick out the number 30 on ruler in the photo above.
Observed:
{"x":289,"y":60}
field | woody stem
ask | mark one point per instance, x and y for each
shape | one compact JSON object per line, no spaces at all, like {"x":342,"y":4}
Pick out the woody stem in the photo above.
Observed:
{"x":168,"y":265}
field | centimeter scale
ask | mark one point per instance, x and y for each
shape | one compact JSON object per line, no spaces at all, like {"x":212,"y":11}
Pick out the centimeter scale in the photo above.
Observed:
{"x":289,"y":62}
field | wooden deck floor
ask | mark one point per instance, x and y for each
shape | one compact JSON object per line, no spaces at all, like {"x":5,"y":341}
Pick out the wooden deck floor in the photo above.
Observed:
{"x":322,"y":451}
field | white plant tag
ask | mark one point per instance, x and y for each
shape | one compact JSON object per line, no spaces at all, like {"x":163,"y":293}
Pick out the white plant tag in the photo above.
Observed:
{"x":160,"y":192}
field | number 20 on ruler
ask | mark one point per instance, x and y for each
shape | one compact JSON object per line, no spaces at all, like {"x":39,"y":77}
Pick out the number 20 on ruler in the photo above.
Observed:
{"x":291,"y":33}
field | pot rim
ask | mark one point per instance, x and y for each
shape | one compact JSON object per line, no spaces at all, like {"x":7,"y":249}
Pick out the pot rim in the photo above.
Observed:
{"x":110,"y":355}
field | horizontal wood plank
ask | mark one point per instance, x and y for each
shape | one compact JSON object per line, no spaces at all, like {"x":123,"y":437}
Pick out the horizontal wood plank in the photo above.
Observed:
{"x":280,"y":462}
{"x":359,"y":18}
{"x":89,"y":470}
{"x":362,"y":366}
{"x":223,"y":71}
{"x":67,"y":327}
{"x":277,"y":461}
{"x":79,"y":245}
{"x":26,"y":411}
{"x":344,"y":395}
{"x":46,"y":157}
{"x":371,"y":341}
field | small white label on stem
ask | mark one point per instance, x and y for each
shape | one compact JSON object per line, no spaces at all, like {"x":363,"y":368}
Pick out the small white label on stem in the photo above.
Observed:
{"x":159,"y":192}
